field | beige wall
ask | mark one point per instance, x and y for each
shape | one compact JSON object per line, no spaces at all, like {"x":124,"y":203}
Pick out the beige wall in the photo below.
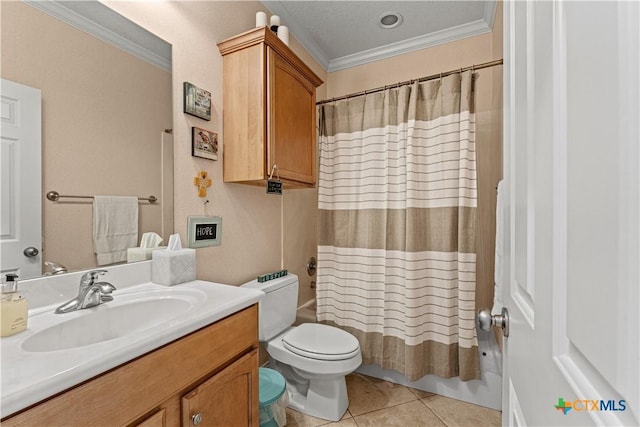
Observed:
{"x":103,"y":112}
{"x":263,"y":233}
{"x":458,"y":54}
{"x":255,"y":225}
{"x":300,"y":210}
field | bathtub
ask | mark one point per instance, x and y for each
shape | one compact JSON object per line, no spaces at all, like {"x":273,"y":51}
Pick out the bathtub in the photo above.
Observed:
{"x":306,"y":313}
{"x":486,"y":391}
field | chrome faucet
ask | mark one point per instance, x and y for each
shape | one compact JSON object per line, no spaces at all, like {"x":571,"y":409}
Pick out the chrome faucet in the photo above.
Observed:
{"x":54,"y":268}
{"x":90,"y":294}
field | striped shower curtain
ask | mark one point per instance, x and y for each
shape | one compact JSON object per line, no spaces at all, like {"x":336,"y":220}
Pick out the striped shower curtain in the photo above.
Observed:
{"x":397,"y":213}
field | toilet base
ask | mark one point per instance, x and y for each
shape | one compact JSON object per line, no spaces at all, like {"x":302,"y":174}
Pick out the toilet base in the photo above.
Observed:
{"x":315,"y":395}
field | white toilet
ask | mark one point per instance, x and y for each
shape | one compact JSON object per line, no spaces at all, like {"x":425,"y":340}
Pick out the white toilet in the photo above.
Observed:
{"x":313,"y":358}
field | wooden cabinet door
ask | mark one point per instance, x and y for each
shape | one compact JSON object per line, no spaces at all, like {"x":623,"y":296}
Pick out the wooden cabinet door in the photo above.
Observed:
{"x":229,"y":398}
{"x":244,"y":118}
{"x":292,"y":112}
{"x":159,"y":419}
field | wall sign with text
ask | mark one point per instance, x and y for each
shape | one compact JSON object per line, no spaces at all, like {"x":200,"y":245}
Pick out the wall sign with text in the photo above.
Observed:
{"x":205,"y":231}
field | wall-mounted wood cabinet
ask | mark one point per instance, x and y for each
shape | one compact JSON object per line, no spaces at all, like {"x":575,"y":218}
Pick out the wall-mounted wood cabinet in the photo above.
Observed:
{"x":269,"y":111}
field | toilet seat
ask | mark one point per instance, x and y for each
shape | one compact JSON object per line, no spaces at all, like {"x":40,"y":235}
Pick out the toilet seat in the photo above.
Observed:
{"x":322,"y":342}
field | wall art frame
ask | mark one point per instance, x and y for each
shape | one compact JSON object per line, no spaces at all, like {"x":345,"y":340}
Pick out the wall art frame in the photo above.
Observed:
{"x":197,"y":101}
{"x":204,"y":143}
{"x":204,"y":231}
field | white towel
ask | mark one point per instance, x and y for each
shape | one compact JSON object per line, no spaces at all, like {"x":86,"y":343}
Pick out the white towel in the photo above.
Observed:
{"x":115,"y":227}
{"x":498,"y":276}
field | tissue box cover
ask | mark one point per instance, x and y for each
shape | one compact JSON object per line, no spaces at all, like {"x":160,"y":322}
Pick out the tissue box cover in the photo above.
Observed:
{"x":173,"y":267}
{"x":141,"y":254}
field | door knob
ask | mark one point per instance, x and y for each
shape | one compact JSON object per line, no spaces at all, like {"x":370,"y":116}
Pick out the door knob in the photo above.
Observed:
{"x":486,"y":320}
{"x":31,"y":252}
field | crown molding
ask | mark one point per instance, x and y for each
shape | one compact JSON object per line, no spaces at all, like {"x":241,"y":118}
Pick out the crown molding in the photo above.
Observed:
{"x":490,"y":13}
{"x":471,"y":29}
{"x":300,"y":34}
{"x":312,"y":47}
{"x":59,"y":11}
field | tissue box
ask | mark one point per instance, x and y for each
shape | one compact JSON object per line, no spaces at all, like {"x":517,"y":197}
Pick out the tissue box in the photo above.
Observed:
{"x":141,"y":254}
{"x":173,"y":267}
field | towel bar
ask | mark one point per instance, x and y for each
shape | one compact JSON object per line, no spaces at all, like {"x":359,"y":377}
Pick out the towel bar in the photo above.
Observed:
{"x":54,"y":196}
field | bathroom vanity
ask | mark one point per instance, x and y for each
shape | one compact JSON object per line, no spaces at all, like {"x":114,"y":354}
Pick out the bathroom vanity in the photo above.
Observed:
{"x":210,"y":375}
{"x":269,"y":111}
{"x":199,"y":367}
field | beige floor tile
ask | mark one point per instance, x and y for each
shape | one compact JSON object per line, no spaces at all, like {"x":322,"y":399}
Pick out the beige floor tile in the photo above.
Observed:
{"x":298,"y":419}
{"x":421,"y":394}
{"x":411,"y":414}
{"x":457,"y":413}
{"x":345,"y":422}
{"x":295,"y":419}
{"x":367,"y":394}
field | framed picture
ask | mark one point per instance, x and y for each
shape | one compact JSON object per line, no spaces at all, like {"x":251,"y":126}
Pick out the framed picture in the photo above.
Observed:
{"x":204,"y":143}
{"x":204,"y":231}
{"x":197,"y":102}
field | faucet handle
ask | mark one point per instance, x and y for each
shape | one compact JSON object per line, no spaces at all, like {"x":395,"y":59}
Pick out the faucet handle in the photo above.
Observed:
{"x":92,"y":275}
{"x":105,"y":287}
{"x":106,"y":297}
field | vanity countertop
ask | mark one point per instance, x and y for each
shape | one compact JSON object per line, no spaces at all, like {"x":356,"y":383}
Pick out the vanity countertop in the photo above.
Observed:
{"x":31,"y":371}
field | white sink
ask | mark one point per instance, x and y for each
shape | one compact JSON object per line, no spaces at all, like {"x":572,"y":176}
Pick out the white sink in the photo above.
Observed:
{"x":127,"y":314}
{"x":59,"y":351}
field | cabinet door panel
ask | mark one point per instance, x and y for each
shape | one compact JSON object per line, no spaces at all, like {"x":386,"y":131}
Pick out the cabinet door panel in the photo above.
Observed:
{"x":229,"y":398}
{"x":159,"y":419}
{"x":292,"y":118}
{"x":244,"y":115}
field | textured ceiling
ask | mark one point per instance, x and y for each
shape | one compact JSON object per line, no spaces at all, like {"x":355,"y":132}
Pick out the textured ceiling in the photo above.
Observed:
{"x":340,"y":34}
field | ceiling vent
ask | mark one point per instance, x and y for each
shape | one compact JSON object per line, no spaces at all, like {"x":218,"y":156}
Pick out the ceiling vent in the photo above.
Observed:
{"x":390,"y":20}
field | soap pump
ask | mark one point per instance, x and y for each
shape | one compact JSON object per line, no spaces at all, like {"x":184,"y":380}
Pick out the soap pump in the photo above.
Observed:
{"x":14,"y":309}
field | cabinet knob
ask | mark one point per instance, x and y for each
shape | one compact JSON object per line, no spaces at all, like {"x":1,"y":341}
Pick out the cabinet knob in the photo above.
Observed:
{"x":196,"y":419}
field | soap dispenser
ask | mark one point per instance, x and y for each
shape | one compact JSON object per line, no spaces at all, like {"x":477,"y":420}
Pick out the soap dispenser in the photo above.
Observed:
{"x":14,"y":309}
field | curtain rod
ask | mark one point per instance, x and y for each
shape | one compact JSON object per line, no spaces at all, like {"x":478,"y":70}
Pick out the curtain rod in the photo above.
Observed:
{"x":422,"y":79}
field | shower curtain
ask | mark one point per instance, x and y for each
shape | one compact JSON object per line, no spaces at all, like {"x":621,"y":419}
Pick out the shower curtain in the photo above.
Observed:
{"x":397,"y":212}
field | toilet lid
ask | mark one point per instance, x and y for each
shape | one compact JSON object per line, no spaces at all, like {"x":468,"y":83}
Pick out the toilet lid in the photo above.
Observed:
{"x":318,"y":341}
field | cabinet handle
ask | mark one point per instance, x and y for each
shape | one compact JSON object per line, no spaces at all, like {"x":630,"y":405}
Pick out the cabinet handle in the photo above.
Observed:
{"x":196,"y":419}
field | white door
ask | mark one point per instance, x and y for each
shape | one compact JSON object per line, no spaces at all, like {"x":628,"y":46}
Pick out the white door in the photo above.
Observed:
{"x":20,"y":180}
{"x":572,"y":164}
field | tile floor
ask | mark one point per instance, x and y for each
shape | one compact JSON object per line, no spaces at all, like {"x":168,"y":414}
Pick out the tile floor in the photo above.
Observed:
{"x":378,"y":403}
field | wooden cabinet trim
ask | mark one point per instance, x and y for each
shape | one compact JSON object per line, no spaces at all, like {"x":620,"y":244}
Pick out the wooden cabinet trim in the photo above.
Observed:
{"x":266,"y":36}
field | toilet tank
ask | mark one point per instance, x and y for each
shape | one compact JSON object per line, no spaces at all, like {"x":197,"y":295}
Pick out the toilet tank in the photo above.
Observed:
{"x":277,"y":310}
